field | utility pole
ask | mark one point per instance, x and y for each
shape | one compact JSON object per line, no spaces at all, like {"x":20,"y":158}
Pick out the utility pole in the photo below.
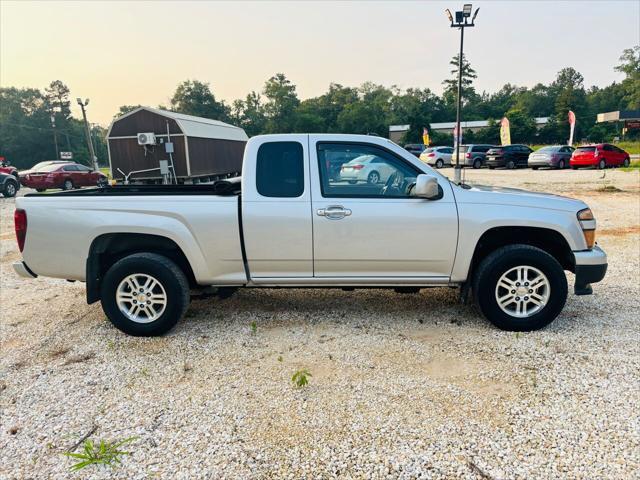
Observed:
{"x":94,"y":159}
{"x":461,"y":22}
{"x":55,"y":135}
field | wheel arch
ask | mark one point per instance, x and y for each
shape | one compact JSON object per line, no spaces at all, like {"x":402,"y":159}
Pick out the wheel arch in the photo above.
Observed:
{"x":547,"y":239}
{"x":108,"y":248}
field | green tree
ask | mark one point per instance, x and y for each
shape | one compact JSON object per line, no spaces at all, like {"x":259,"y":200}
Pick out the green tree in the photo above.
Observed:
{"x":469,"y":96}
{"x":193,"y":97}
{"x":281,"y":105}
{"x":630,"y":66}
{"x":249,"y":114}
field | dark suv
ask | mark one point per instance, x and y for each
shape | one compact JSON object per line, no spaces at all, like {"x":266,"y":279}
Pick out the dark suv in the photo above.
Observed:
{"x":509,"y":156}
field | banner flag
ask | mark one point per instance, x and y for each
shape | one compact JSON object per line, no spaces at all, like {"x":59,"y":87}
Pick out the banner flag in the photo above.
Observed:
{"x":425,"y":136}
{"x":505,"y":132}
{"x":572,"y":123}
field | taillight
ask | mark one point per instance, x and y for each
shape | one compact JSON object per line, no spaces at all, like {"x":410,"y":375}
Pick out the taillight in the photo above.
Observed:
{"x":468,"y":155}
{"x":358,"y":167}
{"x":431,"y":154}
{"x":20,"y":219}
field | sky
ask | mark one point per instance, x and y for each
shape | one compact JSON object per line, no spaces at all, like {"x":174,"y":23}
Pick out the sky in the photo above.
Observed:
{"x":123,"y":52}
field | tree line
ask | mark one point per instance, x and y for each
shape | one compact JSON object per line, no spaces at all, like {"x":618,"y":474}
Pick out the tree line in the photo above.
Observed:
{"x":27,"y":134}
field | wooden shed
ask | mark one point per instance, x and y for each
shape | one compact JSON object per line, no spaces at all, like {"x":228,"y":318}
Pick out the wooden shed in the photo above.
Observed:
{"x":202,"y":148}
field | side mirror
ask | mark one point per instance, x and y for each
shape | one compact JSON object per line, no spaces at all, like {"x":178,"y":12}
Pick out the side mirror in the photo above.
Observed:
{"x":427,"y":187}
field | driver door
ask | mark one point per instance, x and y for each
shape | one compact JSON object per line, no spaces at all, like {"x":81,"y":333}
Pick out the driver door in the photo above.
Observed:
{"x":378,"y":231}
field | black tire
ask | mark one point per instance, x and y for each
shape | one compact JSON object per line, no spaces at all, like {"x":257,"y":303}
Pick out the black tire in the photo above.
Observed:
{"x":10,"y":188}
{"x":534,"y":168}
{"x":167,"y":273}
{"x":561,"y":165}
{"x":40,"y":189}
{"x":574,"y":168}
{"x":501,"y":261}
{"x":626,"y":162}
{"x":510,"y":165}
{"x":68,"y":184}
{"x":353,"y":182}
{"x":373,"y":178}
{"x":477,"y":163}
{"x":439,"y":163}
{"x":602,"y":164}
{"x":491,"y":167}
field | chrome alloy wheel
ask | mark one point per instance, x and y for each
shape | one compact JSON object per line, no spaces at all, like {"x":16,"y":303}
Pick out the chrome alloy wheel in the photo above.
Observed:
{"x":522,"y":291}
{"x":141,"y":298}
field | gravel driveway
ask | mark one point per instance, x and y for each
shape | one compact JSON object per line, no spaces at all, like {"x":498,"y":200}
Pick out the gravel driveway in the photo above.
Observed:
{"x":402,"y":386}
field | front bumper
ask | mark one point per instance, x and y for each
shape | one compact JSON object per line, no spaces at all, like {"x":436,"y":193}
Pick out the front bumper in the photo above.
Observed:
{"x":22,"y":270}
{"x":590,"y":267}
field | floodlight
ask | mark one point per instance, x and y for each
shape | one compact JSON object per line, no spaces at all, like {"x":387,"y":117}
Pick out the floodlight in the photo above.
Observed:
{"x":86,"y":102}
{"x":466,"y":9}
{"x":448,"y":12}
{"x":79,"y":100}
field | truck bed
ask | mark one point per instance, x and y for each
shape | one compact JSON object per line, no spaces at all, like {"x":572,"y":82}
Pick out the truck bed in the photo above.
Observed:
{"x":227,"y":187}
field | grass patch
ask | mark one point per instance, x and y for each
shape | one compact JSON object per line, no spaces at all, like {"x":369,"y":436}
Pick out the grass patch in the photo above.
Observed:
{"x":301,"y":378}
{"x":609,"y":189}
{"x":102,"y":453}
{"x":632,"y":148}
{"x":106,"y":171}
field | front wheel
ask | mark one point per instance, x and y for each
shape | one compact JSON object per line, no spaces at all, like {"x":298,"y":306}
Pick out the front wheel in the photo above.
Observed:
{"x":534,"y":168}
{"x":145,"y":294}
{"x":373,"y":178}
{"x":439,"y":163}
{"x":511,"y":165}
{"x":602,"y":165}
{"x":477,"y":163}
{"x":561,"y":165}
{"x":10,"y":189}
{"x":626,"y":162}
{"x":67,"y":185}
{"x":520,"y":288}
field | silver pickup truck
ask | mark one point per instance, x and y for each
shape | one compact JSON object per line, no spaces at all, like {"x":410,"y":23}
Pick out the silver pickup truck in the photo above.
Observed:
{"x":342,"y":211}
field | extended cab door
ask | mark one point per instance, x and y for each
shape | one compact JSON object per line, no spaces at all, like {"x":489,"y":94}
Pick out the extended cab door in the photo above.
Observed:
{"x":276,"y":208}
{"x":377,"y":230}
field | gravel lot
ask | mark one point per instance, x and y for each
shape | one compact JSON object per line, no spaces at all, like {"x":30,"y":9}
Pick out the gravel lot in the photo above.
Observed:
{"x":403,"y":385}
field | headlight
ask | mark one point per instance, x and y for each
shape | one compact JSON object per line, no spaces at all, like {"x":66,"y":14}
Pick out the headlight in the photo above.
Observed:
{"x":588,"y":225}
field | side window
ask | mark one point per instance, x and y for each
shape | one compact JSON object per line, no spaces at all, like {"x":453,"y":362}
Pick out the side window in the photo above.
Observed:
{"x":70,"y":168}
{"x":448,"y":150}
{"x":280,"y":169}
{"x":367,"y":171}
{"x":607,"y":148}
{"x":82,"y":168}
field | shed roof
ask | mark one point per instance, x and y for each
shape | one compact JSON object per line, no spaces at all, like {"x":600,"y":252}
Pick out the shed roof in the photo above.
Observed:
{"x":194,"y":126}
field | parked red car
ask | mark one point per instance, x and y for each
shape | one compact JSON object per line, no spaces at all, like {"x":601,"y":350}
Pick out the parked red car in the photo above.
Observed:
{"x":6,"y":167}
{"x":66,"y":175}
{"x":602,"y":155}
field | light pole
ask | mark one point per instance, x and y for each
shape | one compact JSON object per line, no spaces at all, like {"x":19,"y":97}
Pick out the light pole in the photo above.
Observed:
{"x":94,"y":159}
{"x":461,"y":22}
{"x":55,"y":135}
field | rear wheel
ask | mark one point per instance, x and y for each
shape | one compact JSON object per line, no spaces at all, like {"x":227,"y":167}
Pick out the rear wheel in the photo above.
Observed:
{"x":561,"y":165}
{"x":602,"y":164}
{"x":511,"y":165}
{"x":520,"y":288}
{"x":353,"y":182}
{"x":40,"y":189}
{"x":68,"y":184}
{"x":534,"y":168}
{"x":477,"y":163}
{"x":439,"y":163}
{"x":373,"y":178}
{"x":145,"y":294}
{"x":10,"y":188}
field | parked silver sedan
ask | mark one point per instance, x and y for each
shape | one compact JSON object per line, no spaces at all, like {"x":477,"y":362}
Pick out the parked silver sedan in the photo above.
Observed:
{"x":437,"y":156}
{"x":554,"y":156}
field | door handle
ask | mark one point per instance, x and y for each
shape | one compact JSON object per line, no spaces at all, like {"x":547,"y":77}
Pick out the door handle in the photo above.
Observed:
{"x":333,"y":212}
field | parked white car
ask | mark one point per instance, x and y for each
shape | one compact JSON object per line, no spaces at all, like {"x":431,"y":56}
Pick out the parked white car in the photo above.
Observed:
{"x":290,"y":223}
{"x":366,"y":168}
{"x":437,"y":156}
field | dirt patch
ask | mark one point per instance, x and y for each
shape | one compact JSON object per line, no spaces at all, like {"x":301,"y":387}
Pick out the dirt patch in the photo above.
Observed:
{"x":634,"y":229}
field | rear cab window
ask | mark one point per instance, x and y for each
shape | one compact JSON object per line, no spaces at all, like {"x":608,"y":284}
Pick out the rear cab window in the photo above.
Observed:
{"x":280,"y":170}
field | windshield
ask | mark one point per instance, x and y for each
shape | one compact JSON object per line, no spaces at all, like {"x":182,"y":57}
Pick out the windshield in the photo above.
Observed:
{"x":547,"y":149}
{"x":586,"y":149}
